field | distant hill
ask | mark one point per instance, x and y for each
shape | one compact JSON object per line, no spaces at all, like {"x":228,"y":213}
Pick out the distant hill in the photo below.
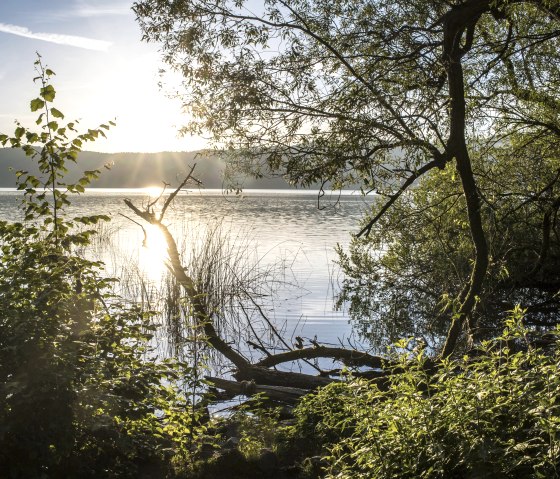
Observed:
{"x":135,"y":170}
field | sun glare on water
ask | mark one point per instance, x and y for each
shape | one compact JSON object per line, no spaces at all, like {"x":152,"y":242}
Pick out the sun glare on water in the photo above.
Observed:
{"x":153,"y":191}
{"x":153,"y":254}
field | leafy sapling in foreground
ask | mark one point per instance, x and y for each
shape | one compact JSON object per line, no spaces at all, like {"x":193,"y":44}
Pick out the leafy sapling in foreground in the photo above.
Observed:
{"x":53,"y":148}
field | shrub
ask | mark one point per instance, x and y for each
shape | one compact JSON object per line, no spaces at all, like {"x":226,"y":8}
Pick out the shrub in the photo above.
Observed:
{"x":489,"y":416}
{"x":82,"y":393}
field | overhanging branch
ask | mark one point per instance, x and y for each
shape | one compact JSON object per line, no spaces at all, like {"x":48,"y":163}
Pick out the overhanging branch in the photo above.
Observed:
{"x":347,"y":356}
{"x":440,"y":163}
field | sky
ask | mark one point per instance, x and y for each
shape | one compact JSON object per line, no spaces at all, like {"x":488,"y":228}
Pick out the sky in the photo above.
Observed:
{"x":103,"y":72}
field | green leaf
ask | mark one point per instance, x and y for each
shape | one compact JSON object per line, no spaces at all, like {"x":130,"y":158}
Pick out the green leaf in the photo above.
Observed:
{"x":31,"y":137}
{"x":20,"y":131}
{"x":48,"y":93}
{"x":56,"y":113}
{"x":37,"y":104}
{"x":92,"y":174}
{"x":29,"y":150}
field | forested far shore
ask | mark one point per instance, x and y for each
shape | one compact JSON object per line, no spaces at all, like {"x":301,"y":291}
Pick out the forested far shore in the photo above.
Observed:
{"x":137,"y":170}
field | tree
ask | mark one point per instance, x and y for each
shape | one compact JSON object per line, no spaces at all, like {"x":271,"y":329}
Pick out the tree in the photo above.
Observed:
{"x":376,"y":92}
{"x":425,"y":240}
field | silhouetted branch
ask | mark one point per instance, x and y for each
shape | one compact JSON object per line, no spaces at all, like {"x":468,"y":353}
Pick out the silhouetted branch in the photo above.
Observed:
{"x":394,"y":197}
{"x":347,"y":356}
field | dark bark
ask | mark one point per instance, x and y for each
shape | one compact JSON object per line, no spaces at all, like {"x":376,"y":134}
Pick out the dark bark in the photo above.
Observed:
{"x":281,"y":378}
{"x":461,"y":20}
{"x":439,"y":162}
{"x":347,"y":356}
{"x":546,"y":229}
{"x":284,"y":394}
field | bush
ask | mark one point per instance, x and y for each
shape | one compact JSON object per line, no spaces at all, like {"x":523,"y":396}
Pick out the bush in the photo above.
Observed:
{"x":81,"y":391}
{"x":490,"y":416}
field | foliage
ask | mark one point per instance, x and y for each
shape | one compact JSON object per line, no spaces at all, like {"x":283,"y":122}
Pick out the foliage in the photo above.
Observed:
{"x":492,"y":414}
{"x":257,"y":426}
{"x":407,"y":274}
{"x":353,"y":92}
{"x":82,"y":392}
{"x":307,"y":87}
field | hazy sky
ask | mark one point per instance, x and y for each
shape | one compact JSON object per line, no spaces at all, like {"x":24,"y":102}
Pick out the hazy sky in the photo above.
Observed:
{"x":103,"y":71}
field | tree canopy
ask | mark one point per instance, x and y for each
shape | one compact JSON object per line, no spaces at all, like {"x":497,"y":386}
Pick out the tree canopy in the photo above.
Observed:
{"x":385,"y":94}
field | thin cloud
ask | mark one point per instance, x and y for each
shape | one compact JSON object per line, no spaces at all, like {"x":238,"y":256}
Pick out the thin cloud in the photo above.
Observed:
{"x":86,"y":10}
{"x":71,"y":40}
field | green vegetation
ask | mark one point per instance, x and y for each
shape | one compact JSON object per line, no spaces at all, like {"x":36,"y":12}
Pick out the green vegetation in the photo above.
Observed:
{"x":410,"y":289}
{"x":82,"y":393}
{"x":449,"y":111}
{"x":458,"y":99}
{"x":493,"y":414}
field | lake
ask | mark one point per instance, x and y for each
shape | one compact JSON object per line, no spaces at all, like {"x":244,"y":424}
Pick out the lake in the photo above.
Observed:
{"x":281,"y":232}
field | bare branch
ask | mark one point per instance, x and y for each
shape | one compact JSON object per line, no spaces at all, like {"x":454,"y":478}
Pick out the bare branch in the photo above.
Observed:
{"x":348,"y":356}
{"x":394,"y":197}
{"x":172,"y":196}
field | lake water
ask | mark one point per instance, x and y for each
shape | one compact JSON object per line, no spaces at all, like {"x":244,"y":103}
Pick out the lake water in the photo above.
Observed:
{"x":278,"y":229}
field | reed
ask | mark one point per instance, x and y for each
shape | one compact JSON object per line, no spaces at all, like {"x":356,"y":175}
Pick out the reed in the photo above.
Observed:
{"x":239,"y":288}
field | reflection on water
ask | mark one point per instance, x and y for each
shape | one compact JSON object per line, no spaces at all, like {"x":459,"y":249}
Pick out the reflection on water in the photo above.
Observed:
{"x":152,"y":255}
{"x":278,"y":225}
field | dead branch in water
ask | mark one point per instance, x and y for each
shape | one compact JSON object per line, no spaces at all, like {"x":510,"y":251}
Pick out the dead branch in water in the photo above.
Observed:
{"x":258,"y":372}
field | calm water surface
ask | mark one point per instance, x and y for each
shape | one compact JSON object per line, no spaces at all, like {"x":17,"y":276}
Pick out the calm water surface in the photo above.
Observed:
{"x":276,"y":225}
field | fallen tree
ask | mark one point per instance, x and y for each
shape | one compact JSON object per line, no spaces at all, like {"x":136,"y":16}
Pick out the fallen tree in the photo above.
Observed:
{"x":262,"y":372}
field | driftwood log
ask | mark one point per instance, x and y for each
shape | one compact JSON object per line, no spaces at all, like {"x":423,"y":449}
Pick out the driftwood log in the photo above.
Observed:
{"x":274,"y":383}
{"x":282,"y":394}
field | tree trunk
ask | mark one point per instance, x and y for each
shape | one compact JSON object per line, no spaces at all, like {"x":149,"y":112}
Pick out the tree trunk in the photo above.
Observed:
{"x":461,"y":21}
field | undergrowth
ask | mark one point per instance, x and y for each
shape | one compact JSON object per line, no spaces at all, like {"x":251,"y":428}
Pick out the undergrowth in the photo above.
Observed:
{"x":493,"y":414}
